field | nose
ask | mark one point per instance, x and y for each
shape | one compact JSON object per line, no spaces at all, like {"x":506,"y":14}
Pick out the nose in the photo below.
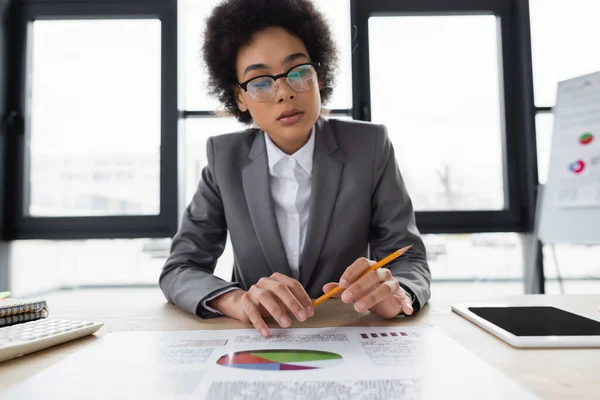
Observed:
{"x":284,"y":91}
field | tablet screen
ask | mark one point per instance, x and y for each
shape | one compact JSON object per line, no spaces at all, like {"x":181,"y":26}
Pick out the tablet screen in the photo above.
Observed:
{"x":538,"y":321}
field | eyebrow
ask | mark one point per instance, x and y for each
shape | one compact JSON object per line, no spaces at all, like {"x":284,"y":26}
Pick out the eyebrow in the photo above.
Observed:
{"x":288,"y":59}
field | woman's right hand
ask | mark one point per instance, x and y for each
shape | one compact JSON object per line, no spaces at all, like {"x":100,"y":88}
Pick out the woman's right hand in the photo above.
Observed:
{"x":274,"y":296}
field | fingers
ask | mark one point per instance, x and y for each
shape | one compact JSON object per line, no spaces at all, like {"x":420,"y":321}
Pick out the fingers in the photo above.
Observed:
{"x":406,"y":302}
{"x":366,"y":284}
{"x":297,"y":291}
{"x":283,"y":293}
{"x":330,"y":286}
{"x":353,"y":271}
{"x":276,"y":296}
{"x":380,"y":293}
{"x":266,"y":299}
{"x":252,"y":311}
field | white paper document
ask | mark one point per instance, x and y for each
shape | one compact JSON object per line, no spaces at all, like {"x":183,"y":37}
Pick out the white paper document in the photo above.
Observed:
{"x":366,"y":363}
{"x":576,"y":142}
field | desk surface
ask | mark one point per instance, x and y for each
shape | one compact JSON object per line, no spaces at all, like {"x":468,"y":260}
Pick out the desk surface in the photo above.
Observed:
{"x":549,"y":373}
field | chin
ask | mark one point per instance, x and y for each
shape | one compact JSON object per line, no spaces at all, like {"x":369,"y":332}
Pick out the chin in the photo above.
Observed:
{"x":299,"y":132}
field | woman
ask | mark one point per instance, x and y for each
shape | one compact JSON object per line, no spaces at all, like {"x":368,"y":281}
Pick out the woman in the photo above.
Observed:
{"x":305,"y":200}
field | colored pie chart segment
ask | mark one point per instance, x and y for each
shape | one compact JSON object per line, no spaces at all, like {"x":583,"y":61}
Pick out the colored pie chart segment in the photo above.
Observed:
{"x":577,"y":167}
{"x":280,"y":360}
{"x":586,"y":138}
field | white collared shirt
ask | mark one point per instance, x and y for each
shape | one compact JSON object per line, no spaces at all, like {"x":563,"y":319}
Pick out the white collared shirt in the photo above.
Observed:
{"x":290,"y":178}
{"x":290,"y":189}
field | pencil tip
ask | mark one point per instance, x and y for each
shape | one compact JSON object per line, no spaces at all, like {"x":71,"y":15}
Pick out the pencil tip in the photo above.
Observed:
{"x":404,"y":249}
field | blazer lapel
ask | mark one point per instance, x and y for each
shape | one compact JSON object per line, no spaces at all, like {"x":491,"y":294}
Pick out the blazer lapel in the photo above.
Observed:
{"x":257,"y":190}
{"x":328,"y":163}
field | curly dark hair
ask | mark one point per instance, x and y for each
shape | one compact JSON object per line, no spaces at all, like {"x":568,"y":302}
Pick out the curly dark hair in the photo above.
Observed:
{"x":231,"y":26}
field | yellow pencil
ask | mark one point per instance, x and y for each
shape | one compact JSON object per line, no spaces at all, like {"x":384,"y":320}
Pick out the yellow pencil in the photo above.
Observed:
{"x":379,"y":264}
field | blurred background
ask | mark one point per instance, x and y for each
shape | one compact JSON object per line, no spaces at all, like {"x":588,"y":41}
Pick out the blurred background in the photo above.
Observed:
{"x":106,"y":117}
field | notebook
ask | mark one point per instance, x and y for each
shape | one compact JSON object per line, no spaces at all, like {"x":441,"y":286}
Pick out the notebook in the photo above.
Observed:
{"x":14,"y":311}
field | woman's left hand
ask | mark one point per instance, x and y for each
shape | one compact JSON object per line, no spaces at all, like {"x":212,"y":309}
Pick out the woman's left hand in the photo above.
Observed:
{"x":378,"y":291}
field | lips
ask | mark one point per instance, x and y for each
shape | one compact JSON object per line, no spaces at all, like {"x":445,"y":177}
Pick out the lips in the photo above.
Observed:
{"x":290,"y":116}
{"x":288,"y":113}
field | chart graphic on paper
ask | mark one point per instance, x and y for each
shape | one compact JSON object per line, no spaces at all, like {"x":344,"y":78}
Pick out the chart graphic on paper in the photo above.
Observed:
{"x":280,"y":360}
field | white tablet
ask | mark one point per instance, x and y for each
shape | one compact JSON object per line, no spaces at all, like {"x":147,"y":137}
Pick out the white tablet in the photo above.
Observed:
{"x":533,"y":326}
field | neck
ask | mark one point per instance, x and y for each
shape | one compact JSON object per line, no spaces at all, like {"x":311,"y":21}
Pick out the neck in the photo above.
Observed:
{"x":289,"y":147}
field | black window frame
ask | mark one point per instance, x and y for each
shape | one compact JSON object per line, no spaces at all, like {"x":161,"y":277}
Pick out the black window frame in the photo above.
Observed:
{"x":17,"y":224}
{"x":518,"y":129}
{"x":519,"y":146}
{"x":4,"y":124}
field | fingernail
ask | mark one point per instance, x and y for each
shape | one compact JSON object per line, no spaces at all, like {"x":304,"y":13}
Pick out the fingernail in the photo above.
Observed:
{"x":410,"y":310}
{"x":264,"y":332}
{"x":302,"y":316}
{"x":360,"y":306}
{"x":347,"y":297}
{"x":343,"y":283}
{"x":285,"y":321}
{"x":311,"y":311}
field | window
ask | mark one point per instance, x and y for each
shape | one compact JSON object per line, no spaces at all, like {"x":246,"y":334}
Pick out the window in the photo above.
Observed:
{"x":337,"y":13}
{"x":438,"y":95}
{"x":95,"y":103}
{"x":543,"y":125}
{"x":196,"y":133}
{"x":559,"y":54}
{"x":39,"y":265}
{"x":564,"y":36}
{"x":95,"y":86}
{"x":106,"y":118}
{"x":444,"y":78}
{"x":571,"y":269}
{"x":193,"y":78}
{"x":469,"y":266}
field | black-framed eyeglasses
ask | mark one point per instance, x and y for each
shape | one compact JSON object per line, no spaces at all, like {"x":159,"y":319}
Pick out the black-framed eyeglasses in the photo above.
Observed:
{"x":300,"y":78}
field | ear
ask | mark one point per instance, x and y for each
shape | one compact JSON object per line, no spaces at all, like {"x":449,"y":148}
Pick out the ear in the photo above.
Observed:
{"x":239,"y":99}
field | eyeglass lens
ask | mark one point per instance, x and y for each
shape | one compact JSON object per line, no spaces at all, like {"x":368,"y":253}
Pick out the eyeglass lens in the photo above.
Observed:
{"x":301,"y":79}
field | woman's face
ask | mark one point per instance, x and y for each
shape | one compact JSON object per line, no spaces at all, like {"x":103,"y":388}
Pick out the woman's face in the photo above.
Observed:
{"x":290,"y":114}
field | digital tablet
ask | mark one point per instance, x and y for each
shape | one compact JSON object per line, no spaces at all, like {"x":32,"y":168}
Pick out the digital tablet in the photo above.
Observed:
{"x":533,"y":326}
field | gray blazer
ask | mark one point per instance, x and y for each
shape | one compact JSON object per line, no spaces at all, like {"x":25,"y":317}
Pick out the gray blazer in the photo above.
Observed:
{"x":359,"y":208}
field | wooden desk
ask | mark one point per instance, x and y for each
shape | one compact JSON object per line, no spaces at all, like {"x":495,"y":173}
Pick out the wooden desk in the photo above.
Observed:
{"x":550,"y":373}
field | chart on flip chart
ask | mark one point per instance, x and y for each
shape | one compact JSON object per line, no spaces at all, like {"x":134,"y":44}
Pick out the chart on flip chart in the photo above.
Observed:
{"x":570,"y":203}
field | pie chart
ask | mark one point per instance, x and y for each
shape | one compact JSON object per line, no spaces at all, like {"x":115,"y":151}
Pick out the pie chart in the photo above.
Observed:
{"x":577,"y":167}
{"x":586,"y":138}
{"x":280,"y":360}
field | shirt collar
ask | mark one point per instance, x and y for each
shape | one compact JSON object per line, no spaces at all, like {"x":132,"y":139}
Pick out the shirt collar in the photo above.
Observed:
{"x":304,"y":156}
